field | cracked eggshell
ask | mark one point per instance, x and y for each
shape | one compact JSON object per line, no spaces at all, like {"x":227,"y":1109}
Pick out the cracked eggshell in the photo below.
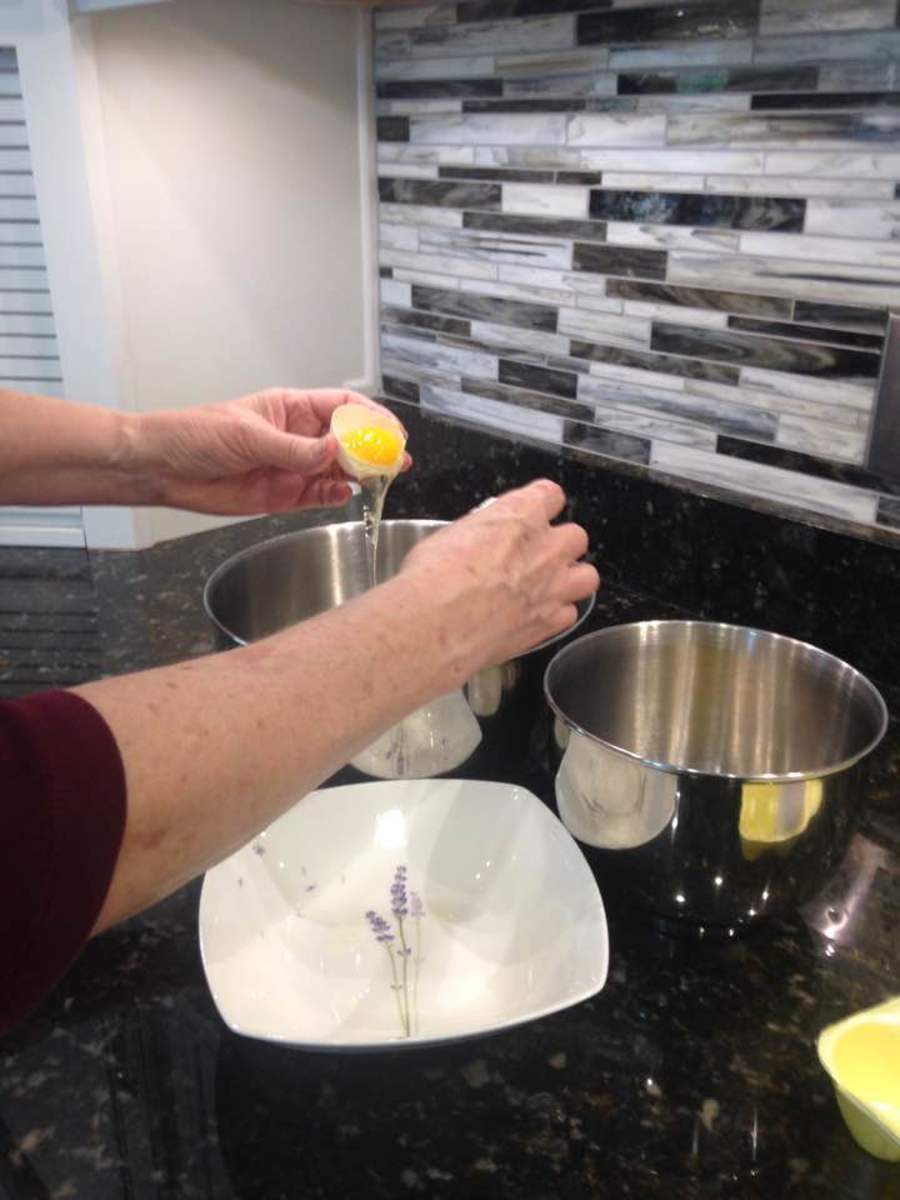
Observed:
{"x":350,"y":417}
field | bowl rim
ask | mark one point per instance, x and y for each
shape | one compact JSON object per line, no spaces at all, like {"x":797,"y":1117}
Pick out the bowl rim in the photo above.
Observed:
{"x":250,"y":552}
{"x":671,"y":768}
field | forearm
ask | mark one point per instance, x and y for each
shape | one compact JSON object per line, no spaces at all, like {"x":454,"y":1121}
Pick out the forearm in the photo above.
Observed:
{"x":216,"y":748}
{"x":59,"y":452}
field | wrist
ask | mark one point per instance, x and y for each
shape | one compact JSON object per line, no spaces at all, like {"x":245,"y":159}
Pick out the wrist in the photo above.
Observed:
{"x":136,"y":459}
{"x":437,"y":634}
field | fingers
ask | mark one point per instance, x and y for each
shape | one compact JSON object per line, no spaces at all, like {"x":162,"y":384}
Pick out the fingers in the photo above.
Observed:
{"x":326,"y":493}
{"x":580,"y":581}
{"x":308,"y":456}
{"x":565,"y":618}
{"x":323,"y":401}
{"x":542,"y":500}
{"x":547,"y":496}
{"x":570,"y":541}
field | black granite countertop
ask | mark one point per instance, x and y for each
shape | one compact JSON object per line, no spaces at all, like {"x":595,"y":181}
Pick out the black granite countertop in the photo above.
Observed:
{"x":692,"y":1074}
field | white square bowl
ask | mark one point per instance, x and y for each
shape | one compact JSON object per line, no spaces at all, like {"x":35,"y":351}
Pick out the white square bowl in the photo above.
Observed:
{"x":495,"y":918}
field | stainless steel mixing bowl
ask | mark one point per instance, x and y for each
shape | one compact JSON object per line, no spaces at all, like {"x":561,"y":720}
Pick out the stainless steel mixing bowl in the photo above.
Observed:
{"x":710,"y":772}
{"x":481,"y":730}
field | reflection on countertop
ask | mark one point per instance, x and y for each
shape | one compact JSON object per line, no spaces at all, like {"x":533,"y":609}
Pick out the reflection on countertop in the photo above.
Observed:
{"x":693,"y":1074}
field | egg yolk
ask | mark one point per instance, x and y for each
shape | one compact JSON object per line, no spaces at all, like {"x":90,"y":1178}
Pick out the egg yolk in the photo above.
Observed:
{"x":378,"y":447}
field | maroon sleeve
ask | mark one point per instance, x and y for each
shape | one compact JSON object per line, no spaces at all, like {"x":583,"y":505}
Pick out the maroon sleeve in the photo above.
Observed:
{"x":62,"y":817}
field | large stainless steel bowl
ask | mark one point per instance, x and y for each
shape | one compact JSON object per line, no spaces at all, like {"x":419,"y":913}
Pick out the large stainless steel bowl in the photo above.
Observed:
{"x":710,"y":772}
{"x":481,"y":730}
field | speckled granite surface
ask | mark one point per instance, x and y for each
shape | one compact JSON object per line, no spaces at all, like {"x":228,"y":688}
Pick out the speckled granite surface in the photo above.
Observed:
{"x":692,"y":1075}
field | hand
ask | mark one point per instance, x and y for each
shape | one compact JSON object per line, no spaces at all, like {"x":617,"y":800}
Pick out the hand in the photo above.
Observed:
{"x":269,"y":452}
{"x":507,"y":578}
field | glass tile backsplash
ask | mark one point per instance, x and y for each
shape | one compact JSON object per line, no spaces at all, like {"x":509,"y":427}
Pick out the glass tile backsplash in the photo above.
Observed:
{"x":667,"y":233}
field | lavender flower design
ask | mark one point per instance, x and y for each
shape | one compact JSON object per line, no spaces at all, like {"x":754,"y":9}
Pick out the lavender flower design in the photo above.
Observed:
{"x":399,"y":899}
{"x":405,"y":906}
{"x":380,"y":927}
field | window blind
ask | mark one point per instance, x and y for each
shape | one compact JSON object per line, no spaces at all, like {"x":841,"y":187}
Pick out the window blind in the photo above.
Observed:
{"x":29,"y":353}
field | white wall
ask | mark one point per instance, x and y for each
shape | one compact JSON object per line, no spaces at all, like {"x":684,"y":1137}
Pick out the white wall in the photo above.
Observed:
{"x":224,"y":153}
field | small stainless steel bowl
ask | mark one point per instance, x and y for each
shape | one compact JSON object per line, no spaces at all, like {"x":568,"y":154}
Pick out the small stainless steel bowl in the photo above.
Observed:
{"x":710,"y":772}
{"x":482,"y":730}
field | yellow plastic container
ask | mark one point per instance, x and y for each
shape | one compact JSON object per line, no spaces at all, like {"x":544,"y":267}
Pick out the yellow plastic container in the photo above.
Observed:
{"x":862,"y":1056}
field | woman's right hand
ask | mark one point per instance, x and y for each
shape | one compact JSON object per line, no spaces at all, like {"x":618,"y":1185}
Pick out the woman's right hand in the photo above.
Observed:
{"x":504,"y":578}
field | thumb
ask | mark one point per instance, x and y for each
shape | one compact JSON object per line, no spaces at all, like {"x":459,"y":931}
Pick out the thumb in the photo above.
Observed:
{"x":291,"y":452}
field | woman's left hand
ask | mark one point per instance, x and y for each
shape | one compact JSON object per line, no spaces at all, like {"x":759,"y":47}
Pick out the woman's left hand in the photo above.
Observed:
{"x":269,"y":452}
